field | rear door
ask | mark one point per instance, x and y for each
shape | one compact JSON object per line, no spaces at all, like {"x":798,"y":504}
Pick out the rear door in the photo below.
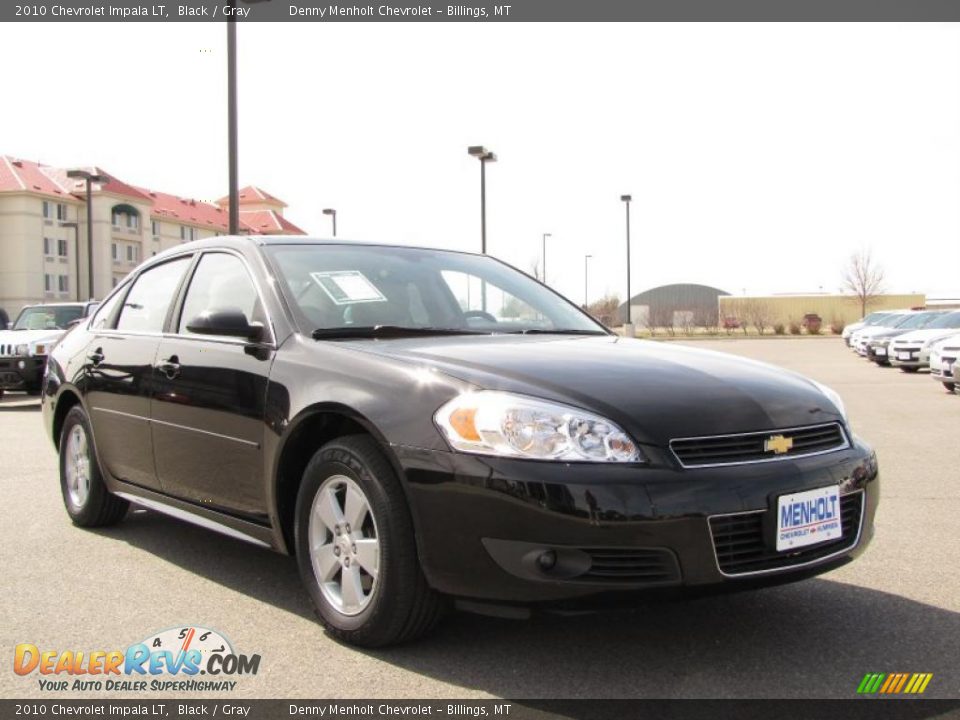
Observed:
{"x":208,"y":402}
{"x":118,"y":371}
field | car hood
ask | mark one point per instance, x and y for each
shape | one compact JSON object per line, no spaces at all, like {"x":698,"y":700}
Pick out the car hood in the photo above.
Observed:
{"x":873,"y":331}
{"x":926,"y":334}
{"x":888,"y":335}
{"x":19,"y":337}
{"x":656,"y":391}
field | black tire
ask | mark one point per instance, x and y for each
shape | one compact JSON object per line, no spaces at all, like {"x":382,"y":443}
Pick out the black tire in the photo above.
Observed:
{"x":950,"y":386}
{"x":401,"y":606}
{"x":96,"y":507}
{"x":909,"y":369}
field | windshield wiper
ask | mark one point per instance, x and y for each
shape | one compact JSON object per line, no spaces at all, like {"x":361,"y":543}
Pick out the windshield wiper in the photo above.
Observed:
{"x":385,"y":331}
{"x":544,"y":331}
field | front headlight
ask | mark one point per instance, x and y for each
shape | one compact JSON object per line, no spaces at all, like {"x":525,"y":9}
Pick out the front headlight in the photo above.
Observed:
{"x":834,"y":397}
{"x":23,"y":349}
{"x":39,"y":349}
{"x":498,"y":423}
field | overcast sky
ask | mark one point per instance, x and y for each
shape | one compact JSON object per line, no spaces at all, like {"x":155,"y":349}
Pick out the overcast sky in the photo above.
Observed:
{"x":759,"y":156}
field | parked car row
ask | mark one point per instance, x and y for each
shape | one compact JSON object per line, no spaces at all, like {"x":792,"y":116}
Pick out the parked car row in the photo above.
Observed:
{"x":27,"y":341}
{"x":911,"y":340}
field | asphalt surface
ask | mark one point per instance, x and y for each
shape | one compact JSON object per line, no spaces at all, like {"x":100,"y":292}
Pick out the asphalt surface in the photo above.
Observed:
{"x":897,"y":609}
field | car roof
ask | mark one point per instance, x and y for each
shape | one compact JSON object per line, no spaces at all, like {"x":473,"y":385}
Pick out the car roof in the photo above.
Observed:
{"x":73,"y":303}
{"x":247,"y":241}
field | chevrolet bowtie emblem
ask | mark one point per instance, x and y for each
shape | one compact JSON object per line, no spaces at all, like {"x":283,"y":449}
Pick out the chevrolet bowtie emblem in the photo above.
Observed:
{"x":777,"y":444}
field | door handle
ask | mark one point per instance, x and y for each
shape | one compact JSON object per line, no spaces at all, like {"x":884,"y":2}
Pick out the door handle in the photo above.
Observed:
{"x":96,"y":357}
{"x":169,"y":366}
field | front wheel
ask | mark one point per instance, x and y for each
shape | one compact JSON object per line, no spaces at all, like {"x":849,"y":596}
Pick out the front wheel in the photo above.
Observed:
{"x":85,"y":495}
{"x":950,"y":386}
{"x":356,"y":550}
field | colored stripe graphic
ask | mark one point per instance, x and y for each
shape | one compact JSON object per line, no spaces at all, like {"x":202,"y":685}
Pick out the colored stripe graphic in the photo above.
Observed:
{"x":894,"y":683}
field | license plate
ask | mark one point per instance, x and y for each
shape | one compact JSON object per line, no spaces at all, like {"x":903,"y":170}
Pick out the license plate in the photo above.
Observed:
{"x":903,"y":356}
{"x":809,"y":517}
{"x":880,"y":351}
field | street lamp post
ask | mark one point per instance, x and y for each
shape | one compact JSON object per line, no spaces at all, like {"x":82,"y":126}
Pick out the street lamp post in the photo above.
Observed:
{"x":545,"y":236}
{"x":484,"y":156}
{"x":628,"y":327}
{"x":89,"y":178}
{"x":586,"y":276}
{"x":233,"y":169}
{"x":333,"y":215}
{"x":76,"y":250}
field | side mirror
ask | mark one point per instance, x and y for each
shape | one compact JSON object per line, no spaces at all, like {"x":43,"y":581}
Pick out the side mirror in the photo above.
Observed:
{"x":227,"y":322}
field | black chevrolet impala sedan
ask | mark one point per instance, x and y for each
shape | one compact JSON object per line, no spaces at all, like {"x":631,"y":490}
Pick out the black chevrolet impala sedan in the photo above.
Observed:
{"x":424,"y":429}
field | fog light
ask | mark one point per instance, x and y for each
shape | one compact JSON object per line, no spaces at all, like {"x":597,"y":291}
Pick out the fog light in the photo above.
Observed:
{"x":547,"y":560}
{"x":21,"y":364}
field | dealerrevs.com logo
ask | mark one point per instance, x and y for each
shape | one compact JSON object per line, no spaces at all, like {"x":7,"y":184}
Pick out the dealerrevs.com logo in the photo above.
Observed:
{"x":181,"y":659}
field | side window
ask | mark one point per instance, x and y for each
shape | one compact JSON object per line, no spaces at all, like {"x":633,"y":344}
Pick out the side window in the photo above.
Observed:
{"x":104,"y":312}
{"x":220,"y":282}
{"x":146,"y":305}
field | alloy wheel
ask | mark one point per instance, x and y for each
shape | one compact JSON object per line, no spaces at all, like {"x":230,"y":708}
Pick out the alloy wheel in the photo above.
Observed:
{"x":344,"y":545}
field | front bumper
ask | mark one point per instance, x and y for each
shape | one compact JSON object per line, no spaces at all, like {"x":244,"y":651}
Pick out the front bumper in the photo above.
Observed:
{"x":27,"y":377}
{"x":911,"y":357}
{"x":944,"y":366}
{"x":879,"y":353}
{"x":483,"y":523}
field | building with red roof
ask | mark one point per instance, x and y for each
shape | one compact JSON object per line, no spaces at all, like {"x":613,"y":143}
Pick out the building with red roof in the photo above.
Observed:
{"x":43,"y":229}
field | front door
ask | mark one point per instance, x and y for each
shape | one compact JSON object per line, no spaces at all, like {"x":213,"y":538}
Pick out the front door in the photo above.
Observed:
{"x":118,"y":372}
{"x":208,"y":402}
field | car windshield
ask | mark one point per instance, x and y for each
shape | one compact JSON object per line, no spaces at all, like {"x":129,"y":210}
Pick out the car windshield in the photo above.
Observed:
{"x":893,"y":320}
{"x":358,"y":289}
{"x":48,"y":317}
{"x":919,"y":320}
{"x":875,"y":318}
{"x":946,"y":321}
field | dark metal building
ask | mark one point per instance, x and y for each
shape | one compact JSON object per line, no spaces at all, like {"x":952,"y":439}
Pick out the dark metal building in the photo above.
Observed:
{"x":679,"y":305}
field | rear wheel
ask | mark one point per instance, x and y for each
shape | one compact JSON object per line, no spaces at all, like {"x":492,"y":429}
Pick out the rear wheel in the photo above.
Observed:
{"x":356,"y":550}
{"x":909,"y":369}
{"x":950,"y":386}
{"x":85,"y":496}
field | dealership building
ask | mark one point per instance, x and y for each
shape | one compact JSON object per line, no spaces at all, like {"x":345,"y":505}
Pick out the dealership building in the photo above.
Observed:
{"x":43,"y":230}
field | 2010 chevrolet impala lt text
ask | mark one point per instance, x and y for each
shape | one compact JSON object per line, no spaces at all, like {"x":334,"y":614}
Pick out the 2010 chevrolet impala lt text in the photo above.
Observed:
{"x":424,"y":428}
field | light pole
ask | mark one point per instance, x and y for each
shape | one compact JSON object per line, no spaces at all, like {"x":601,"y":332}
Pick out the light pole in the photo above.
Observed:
{"x":628,"y":328}
{"x":484,"y":156}
{"x":233,"y":209}
{"x":234,"y":179}
{"x":545,"y":236}
{"x":333,"y":215}
{"x":76,"y":250}
{"x":586,"y":276}
{"x":90,"y":178}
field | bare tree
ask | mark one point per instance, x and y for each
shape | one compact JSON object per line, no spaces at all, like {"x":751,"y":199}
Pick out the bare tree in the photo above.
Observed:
{"x":605,"y":309}
{"x":661,"y":316}
{"x":863,"y":277}
{"x":758,"y":313}
{"x":707,"y":319}
{"x":535,"y":269}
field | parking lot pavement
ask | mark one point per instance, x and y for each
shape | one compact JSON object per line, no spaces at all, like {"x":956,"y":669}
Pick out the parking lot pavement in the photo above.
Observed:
{"x":897,"y":609}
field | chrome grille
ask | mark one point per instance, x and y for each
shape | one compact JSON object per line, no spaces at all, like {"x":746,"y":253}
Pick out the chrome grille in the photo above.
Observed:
{"x":741,"y":547}
{"x":751,"y":447}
